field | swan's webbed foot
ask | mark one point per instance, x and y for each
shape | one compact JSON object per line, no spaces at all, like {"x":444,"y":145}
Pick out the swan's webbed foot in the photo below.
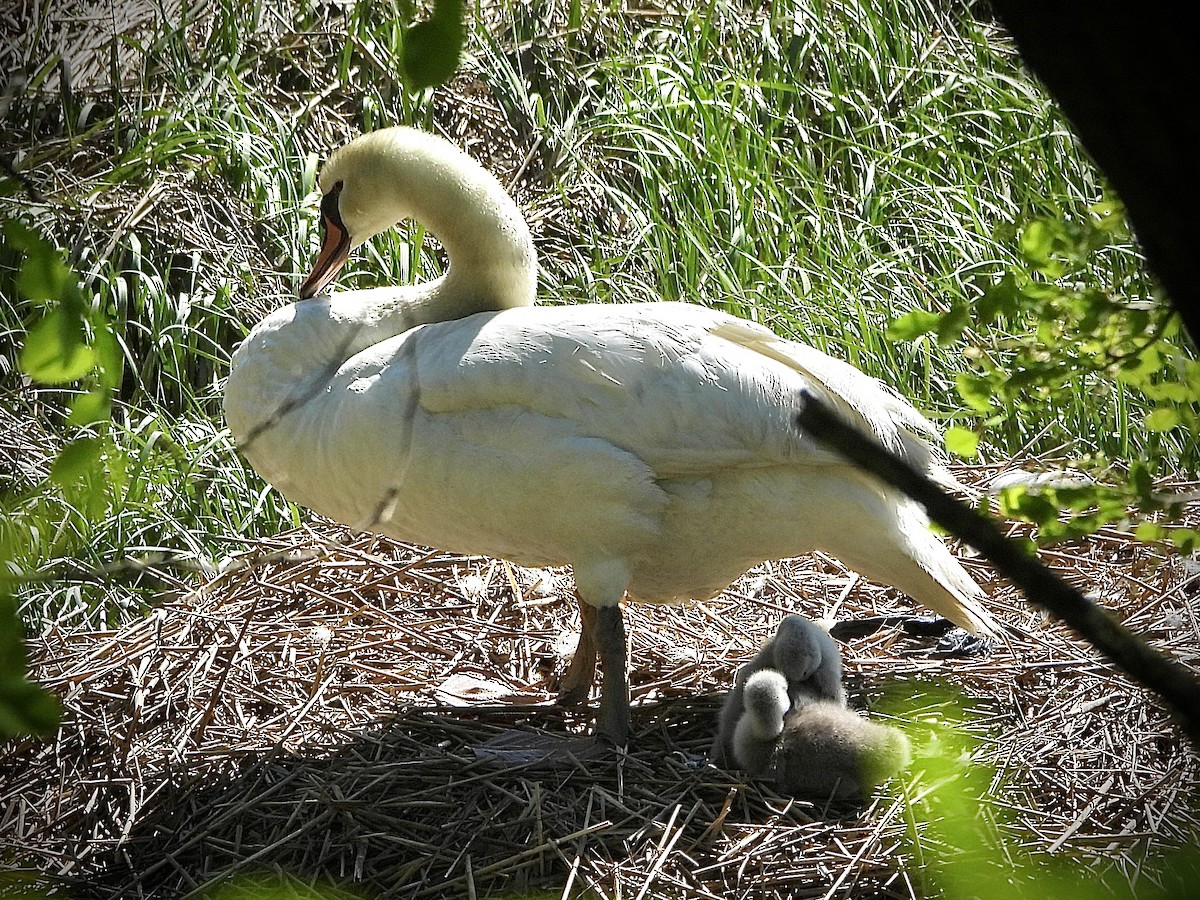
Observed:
{"x":953,"y":641}
{"x":959,"y":642}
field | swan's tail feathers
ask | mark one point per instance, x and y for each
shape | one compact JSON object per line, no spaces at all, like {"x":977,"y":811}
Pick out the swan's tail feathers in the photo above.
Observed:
{"x":906,"y":554}
{"x":961,"y":598}
{"x":938,"y":581}
{"x":950,"y":591}
{"x":883,"y":535}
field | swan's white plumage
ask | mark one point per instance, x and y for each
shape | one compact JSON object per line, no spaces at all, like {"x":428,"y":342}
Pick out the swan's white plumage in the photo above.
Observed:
{"x":554,"y":435}
{"x":650,"y":446}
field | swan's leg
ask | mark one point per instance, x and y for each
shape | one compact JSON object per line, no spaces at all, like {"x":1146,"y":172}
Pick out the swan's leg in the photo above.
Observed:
{"x":577,"y":681}
{"x":612,"y":723}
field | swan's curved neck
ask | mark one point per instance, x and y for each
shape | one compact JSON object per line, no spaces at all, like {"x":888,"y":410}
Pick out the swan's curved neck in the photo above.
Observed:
{"x":407,"y":175}
{"x":289,"y":359}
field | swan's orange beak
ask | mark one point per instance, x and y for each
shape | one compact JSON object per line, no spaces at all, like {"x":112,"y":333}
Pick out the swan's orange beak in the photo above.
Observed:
{"x":335,"y":246}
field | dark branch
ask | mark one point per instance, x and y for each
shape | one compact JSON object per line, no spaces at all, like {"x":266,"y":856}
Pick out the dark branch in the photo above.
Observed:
{"x":1176,"y":684}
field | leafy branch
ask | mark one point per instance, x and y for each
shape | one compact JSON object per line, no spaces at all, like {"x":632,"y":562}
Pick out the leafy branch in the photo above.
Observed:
{"x":1065,"y":333}
{"x":70,"y":342}
{"x":1174,"y":682}
{"x":432,"y":48}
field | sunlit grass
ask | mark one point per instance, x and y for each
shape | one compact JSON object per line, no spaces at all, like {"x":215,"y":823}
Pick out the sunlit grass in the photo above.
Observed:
{"x":170,"y":500}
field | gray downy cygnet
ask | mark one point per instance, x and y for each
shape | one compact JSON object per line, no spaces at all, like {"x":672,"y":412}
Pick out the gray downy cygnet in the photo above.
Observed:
{"x":757,"y":731}
{"x":808,"y":658}
{"x":827,"y":750}
{"x":784,"y":719}
{"x":816,"y":748}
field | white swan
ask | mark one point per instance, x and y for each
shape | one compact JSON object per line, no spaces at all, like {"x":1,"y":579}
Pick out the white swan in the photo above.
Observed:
{"x":649,"y":446}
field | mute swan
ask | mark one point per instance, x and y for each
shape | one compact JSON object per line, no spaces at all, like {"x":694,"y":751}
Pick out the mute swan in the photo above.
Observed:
{"x":762,"y":705}
{"x":827,"y":750}
{"x":649,"y":446}
{"x":801,"y":653}
{"x":814,"y":748}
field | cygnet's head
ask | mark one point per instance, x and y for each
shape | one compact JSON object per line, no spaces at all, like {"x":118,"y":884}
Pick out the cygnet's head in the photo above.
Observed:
{"x":759,"y":721}
{"x":765,"y":701}
{"x":799,"y":648}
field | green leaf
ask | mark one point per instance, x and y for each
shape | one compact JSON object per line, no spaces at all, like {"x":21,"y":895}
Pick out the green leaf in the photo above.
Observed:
{"x":90,"y":408}
{"x":1186,"y":539}
{"x":77,"y":460}
{"x":55,"y":350}
{"x":432,"y":48}
{"x":1055,"y":247}
{"x":1141,"y":479}
{"x":25,"y":239}
{"x":1053,"y":531}
{"x":912,"y":325}
{"x":1170,"y":390}
{"x":109,"y":360}
{"x":1076,"y":498}
{"x":1001,"y":299}
{"x":1138,"y":370}
{"x":962,"y":441}
{"x":953,"y":323}
{"x":44,"y":277}
{"x":25,"y":708}
{"x":1019,"y":503}
{"x":1164,"y":418}
{"x":13,"y":658}
{"x":1038,"y":242}
{"x":1149,"y":531}
{"x":975,"y":390}
{"x":1108,"y":216}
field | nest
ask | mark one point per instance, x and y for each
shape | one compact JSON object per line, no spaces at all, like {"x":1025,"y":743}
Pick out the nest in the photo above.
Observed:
{"x":322,"y":707}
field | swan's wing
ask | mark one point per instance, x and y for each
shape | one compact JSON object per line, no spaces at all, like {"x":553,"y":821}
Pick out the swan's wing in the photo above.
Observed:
{"x":858,"y":398}
{"x":686,"y":389}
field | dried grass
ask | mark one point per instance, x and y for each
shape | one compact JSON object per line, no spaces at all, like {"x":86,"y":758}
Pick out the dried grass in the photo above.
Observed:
{"x":315,"y":709}
{"x":92,"y":42}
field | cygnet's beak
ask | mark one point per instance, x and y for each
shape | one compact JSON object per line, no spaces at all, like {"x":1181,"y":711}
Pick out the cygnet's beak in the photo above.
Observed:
{"x":335,"y":246}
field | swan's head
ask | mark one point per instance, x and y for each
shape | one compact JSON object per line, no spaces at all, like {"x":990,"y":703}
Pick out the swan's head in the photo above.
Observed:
{"x":357,"y":188}
{"x":383,"y":177}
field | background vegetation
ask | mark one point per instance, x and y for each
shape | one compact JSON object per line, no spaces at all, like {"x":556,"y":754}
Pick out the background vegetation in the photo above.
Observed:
{"x":828,"y":169}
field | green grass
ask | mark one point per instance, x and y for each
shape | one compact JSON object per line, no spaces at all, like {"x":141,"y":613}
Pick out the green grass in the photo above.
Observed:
{"x":819,"y":167}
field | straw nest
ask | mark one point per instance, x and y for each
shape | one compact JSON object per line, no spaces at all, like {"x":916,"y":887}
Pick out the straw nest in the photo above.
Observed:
{"x":319,"y":707}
